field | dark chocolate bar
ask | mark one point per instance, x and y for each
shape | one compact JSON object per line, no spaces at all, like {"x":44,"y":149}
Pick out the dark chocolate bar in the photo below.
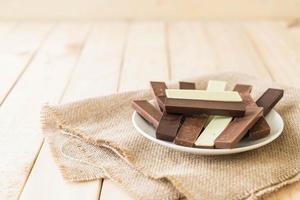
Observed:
{"x":260,"y":130}
{"x":170,"y":123}
{"x":168,"y":126}
{"x":147,"y":111}
{"x":268,"y":100}
{"x":158,"y":91}
{"x":190,"y":130}
{"x":190,"y":107}
{"x":187,"y":85}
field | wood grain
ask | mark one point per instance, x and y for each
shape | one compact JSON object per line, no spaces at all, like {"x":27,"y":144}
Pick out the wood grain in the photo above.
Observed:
{"x":280,"y":59}
{"x":44,"y":80}
{"x":190,"y":50}
{"x":145,"y":56}
{"x":16,"y":51}
{"x":234,"y":50}
{"x":145,"y":59}
{"x":94,"y":75}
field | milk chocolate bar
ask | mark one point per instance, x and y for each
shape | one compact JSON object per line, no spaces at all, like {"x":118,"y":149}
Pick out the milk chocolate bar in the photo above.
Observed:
{"x":147,"y":111}
{"x":158,"y":91}
{"x":238,"y":128}
{"x":189,"y":107}
{"x":263,"y":129}
{"x":168,"y":126}
{"x":187,"y":85}
{"x":268,"y":100}
{"x":190,"y":130}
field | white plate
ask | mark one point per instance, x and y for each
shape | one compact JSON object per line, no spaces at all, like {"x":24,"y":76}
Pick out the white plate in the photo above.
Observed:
{"x":273,"y":118}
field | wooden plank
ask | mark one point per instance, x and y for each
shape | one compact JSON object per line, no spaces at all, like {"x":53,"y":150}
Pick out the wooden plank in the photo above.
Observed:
{"x":98,"y":71}
{"x":46,"y":182}
{"x":234,"y":50}
{"x":16,"y":51}
{"x":190,"y":50}
{"x":145,"y":59}
{"x":281,"y":60}
{"x":44,"y":80}
{"x":95,"y":74}
{"x":291,"y":38}
{"x":145,"y":56}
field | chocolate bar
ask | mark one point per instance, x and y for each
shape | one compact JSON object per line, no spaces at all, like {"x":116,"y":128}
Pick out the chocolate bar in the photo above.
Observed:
{"x":170,"y":123}
{"x":218,"y":86}
{"x":147,"y":111}
{"x":243,"y":89}
{"x":260,"y":130}
{"x":236,"y":130}
{"x":190,"y":130}
{"x":224,"y":96}
{"x":263,"y":129}
{"x":268,"y":100}
{"x":168,"y":126}
{"x":158,"y":91}
{"x":187,"y":85}
{"x":190,"y":107}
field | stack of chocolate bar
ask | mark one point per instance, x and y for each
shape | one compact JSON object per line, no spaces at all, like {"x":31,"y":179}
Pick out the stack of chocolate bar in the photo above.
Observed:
{"x":211,"y":118}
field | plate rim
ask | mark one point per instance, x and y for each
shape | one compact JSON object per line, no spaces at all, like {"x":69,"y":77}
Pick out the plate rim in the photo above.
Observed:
{"x":208,"y":151}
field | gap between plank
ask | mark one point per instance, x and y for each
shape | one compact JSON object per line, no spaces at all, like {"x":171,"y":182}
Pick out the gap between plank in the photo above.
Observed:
{"x":30,"y":170}
{"x":123,"y":58}
{"x":77,"y":61}
{"x":69,"y":78}
{"x":168,"y":55}
{"x":28,"y":63}
{"x":258,"y":52}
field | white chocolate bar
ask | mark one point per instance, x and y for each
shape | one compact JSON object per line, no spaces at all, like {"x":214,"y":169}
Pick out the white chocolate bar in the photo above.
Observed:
{"x":217,"y":86}
{"x":216,"y":124}
{"x":227,"y":96}
{"x":215,"y":127}
{"x":214,"y":86}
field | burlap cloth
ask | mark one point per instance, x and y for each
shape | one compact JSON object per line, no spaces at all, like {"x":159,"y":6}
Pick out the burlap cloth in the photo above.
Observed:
{"x":95,"y":139}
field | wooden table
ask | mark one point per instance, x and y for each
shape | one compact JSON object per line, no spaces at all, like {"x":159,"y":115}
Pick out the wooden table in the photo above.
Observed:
{"x":66,"y":61}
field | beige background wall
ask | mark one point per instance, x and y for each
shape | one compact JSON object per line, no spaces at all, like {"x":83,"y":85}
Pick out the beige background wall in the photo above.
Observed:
{"x":149,"y":9}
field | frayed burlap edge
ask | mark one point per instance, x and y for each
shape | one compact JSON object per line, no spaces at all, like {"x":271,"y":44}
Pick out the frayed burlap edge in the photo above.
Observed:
{"x":125,"y":155}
